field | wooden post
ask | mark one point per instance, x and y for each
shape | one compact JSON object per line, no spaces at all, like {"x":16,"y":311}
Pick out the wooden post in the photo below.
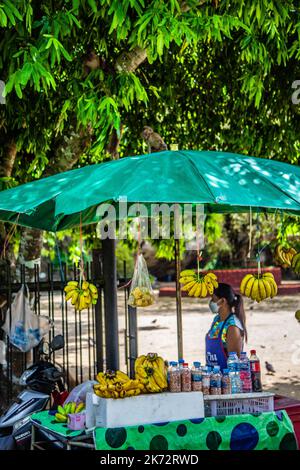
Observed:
{"x":110,"y":303}
{"x":178,"y":300}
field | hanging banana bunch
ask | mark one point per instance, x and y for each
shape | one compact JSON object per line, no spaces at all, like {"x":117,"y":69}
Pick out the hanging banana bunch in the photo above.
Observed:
{"x":199,"y":285}
{"x":286,"y":257}
{"x":82,"y":295}
{"x":259,"y":287}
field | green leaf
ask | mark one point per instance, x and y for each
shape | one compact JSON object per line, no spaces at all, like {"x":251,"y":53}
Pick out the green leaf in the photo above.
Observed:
{"x":93,"y":5}
{"x":13,"y":9}
{"x":18,"y":90}
{"x":160,"y":43}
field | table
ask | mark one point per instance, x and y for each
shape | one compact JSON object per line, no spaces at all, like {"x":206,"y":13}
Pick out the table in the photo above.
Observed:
{"x":257,"y":431}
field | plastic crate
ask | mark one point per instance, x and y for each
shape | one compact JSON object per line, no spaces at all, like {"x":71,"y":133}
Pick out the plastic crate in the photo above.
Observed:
{"x":241,"y":403}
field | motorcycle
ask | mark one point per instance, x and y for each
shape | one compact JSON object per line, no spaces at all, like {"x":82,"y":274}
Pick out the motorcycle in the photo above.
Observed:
{"x":43,"y":382}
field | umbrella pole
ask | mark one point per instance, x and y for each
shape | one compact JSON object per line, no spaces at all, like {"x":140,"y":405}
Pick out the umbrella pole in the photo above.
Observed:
{"x":178,"y":300}
{"x":110,"y":303}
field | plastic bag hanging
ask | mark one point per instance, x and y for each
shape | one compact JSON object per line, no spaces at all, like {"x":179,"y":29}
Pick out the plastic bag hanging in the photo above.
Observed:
{"x":141,"y":292}
{"x":24,"y":328}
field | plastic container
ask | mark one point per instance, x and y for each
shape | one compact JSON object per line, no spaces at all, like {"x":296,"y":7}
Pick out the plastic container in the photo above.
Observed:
{"x":244,"y":403}
{"x":226,"y":385}
{"x":255,"y":372}
{"x":186,"y":378}
{"x":245,"y":373}
{"x":292,"y":407}
{"x":180,"y":363}
{"x":232,"y":361}
{"x":174,"y":378}
{"x":196,"y":377}
{"x":216,"y":381}
{"x":205,"y":381}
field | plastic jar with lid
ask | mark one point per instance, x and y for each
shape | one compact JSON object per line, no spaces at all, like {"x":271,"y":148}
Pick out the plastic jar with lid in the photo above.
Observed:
{"x":196,"y":377}
{"x":186,"y":378}
{"x":174,"y":378}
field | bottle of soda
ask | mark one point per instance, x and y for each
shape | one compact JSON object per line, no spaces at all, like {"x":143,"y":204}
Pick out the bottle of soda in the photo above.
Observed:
{"x":255,"y":372}
{"x":245,"y":373}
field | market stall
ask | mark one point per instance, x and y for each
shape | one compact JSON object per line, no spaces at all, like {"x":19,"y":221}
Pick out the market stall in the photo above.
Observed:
{"x":205,"y":178}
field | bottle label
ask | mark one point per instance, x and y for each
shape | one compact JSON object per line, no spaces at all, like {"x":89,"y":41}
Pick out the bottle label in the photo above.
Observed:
{"x":196,"y":378}
{"x":255,"y":366}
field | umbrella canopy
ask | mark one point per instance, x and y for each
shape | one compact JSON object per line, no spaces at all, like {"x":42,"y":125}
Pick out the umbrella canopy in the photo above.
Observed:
{"x":223,"y":182}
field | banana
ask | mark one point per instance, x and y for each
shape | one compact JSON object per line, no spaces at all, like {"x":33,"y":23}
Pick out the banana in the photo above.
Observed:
{"x":70,"y":288}
{"x":268,"y":288}
{"x":61,"y":418}
{"x":93,"y":289}
{"x":209,"y":284}
{"x":160,"y":363}
{"x":132,"y":393}
{"x":69,"y":295}
{"x":73,"y":408}
{"x":254,"y":291}
{"x":74,"y":297}
{"x":198,"y":291}
{"x":191,"y":293}
{"x":61,"y":410}
{"x":248,"y":287}
{"x":212,"y":276}
{"x":244,"y":283}
{"x":186,"y":279}
{"x":187,"y":272}
{"x":141,"y":372}
{"x":268,"y":274}
{"x":261,"y":289}
{"x":188,"y":286}
{"x":73,"y":283}
{"x":131,"y":385}
{"x":80,"y":407}
{"x":121,"y":376}
{"x":160,"y":379}
{"x":204,"y":289}
{"x":85,"y":285}
{"x":139,"y":361}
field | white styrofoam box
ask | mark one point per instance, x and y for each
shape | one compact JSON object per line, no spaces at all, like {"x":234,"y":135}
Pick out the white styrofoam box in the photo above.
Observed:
{"x":143,"y":409}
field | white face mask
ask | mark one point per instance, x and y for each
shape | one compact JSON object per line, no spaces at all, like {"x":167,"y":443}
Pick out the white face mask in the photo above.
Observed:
{"x":213,"y":307}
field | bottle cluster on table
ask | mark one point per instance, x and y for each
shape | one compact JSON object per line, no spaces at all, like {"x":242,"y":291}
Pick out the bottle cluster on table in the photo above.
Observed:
{"x":242,"y":375}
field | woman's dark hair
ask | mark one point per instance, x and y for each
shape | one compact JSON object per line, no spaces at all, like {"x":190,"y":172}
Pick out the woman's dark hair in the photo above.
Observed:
{"x":235,"y":301}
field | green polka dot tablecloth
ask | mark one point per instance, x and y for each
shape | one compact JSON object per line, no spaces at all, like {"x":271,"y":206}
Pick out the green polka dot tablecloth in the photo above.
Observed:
{"x":46,"y":421}
{"x":260,"y":431}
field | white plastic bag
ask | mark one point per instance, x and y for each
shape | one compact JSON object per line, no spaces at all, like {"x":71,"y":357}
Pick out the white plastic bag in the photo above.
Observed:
{"x":141,"y":292}
{"x":24,"y":328}
{"x":78,"y":394}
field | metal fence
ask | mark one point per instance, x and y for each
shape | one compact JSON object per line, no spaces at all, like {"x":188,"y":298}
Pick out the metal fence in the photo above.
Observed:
{"x":84,"y":332}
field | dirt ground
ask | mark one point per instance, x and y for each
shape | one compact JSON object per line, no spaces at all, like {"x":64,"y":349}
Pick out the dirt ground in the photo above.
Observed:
{"x":272,"y":328}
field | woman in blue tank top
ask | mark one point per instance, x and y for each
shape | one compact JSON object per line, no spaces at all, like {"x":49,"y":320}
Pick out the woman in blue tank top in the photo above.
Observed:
{"x":228,"y":330}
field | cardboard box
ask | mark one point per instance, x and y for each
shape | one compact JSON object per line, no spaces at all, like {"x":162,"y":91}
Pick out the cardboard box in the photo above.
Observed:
{"x":143,"y":409}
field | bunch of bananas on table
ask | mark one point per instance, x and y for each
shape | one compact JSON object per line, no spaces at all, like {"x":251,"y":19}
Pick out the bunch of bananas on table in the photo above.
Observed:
{"x":259,"y":287}
{"x":286,"y":257}
{"x":81,"y":295}
{"x":140,"y":297}
{"x":151,"y":371}
{"x":116,"y":384}
{"x":198,"y":286}
{"x":70,"y":408}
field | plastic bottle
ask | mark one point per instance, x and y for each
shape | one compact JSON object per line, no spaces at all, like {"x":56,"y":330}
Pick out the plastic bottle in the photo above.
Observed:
{"x":186,"y":378}
{"x":216,"y":381}
{"x":180,"y":363}
{"x":226,"y":385}
{"x":196,"y":377}
{"x":232,"y":361}
{"x":245,"y":373}
{"x":255,"y":372}
{"x":205,"y":381}
{"x":174,"y":378}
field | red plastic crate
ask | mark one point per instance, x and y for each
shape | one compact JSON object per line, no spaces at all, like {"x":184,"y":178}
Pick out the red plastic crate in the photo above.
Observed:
{"x":292,"y":408}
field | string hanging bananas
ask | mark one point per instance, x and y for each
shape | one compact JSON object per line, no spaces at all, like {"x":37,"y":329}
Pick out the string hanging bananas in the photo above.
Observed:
{"x":116,"y":384}
{"x":259,"y":287}
{"x":70,"y":408}
{"x":285,"y":257}
{"x":195,"y":287}
{"x":151,"y":371}
{"x":82,"y":295}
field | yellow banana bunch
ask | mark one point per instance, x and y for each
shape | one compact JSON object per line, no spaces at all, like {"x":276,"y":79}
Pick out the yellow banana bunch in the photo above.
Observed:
{"x":151,"y":372}
{"x":141,"y":297}
{"x":198,"y":287}
{"x":116,"y":384}
{"x":284,"y":256}
{"x":259,"y":287}
{"x":296,"y":263}
{"x":70,"y":408}
{"x":81,"y":296}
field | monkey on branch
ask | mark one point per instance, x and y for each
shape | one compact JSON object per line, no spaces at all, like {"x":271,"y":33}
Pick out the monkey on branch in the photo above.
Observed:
{"x":154,"y":141}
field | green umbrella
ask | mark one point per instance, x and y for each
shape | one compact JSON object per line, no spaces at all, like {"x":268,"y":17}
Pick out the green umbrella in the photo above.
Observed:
{"x":223,"y":182}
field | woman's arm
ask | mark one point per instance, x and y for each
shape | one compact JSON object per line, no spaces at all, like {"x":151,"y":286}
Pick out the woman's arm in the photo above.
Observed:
{"x":234,"y":341}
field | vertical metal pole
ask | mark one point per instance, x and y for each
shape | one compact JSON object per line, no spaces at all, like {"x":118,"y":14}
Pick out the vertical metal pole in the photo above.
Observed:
{"x":110,"y":303}
{"x":178,"y":300}
{"x":133,"y":343}
{"x":98,"y":312}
